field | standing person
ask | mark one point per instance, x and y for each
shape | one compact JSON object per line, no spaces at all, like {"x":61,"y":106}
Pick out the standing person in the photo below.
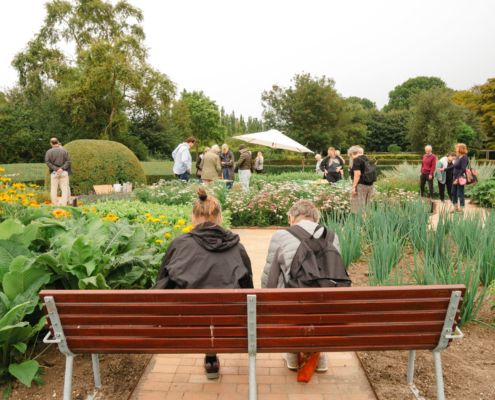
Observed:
{"x":258,"y":163}
{"x":342,"y":162}
{"x":58,"y":161}
{"x":459,"y":175}
{"x":449,"y":173}
{"x":243,"y":165}
{"x":332,"y":166}
{"x":284,"y":248}
{"x":207,"y":257}
{"x":363,"y":175}
{"x":210,"y":165}
{"x":317,"y":166}
{"x":182,"y":159}
{"x":428,"y":165}
{"x":198,"y":163}
{"x":227,"y":162}
{"x":444,"y":164}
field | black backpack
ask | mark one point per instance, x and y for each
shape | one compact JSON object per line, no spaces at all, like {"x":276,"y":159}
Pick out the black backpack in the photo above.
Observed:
{"x":317,"y":263}
{"x":369,"y":174}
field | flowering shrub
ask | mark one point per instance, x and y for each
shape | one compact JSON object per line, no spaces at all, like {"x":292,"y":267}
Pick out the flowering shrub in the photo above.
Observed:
{"x":17,"y":194}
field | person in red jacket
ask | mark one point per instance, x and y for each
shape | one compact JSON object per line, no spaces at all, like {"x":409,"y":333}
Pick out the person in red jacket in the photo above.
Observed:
{"x":428,"y":166}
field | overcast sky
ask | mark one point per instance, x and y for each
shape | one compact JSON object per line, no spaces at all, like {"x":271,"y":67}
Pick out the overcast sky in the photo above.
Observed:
{"x":233,"y":50}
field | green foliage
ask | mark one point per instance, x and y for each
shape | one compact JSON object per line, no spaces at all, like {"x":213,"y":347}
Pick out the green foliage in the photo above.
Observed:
{"x":102,"y":162}
{"x":435,"y":120}
{"x":403,"y":176}
{"x":198,"y":115}
{"x":393,"y":148}
{"x":401,"y":96}
{"x":386,"y":128}
{"x":349,"y":232}
{"x":483,"y":193}
{"x":313,"y":113}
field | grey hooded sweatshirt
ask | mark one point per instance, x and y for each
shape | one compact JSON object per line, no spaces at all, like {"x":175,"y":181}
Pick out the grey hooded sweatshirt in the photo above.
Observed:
{"x":282,"y":250}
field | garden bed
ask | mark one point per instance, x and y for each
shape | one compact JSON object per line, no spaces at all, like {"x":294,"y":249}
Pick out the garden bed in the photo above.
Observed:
{"x":468,"y":364}
{"x":120,"y":373}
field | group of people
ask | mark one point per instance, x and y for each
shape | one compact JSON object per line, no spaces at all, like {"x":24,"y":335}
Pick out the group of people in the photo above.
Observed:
{"x":215,"y":163}
{"x":449,"y":172}
{"x":210,"y":256}
{"x":361,"y":171}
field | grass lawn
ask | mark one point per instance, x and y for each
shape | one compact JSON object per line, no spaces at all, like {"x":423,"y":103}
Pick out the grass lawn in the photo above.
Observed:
{"x":36,"y":171}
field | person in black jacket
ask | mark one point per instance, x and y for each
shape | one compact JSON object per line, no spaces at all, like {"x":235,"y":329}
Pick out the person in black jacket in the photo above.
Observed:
{"x":332,"y":166}
{"x":459,"y":171}
{"x":207,"y":257}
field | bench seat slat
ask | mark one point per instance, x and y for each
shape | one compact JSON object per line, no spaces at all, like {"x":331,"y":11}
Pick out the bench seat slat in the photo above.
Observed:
{"x":223,"y":296}
{"x":262,"y":331}
{"x":111,"y":350}
{"x":236,"y":320}
{"x":262,"y":309}
{"x":241,"y":343}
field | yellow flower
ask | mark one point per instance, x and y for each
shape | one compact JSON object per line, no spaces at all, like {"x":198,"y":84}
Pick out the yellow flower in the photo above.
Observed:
{"x":148,"y":215}
{"x":158,"y":241}
{"x":2,"y":169}
{"x":168,"y":235}
{"x":34,"y":205}
{"x":59,"y":213}
{"x":181,"y":222}
{"x":176,"y":226}
{"x":111,"y":217}
{"x":187,"y":229}
{"x":162,"y":217}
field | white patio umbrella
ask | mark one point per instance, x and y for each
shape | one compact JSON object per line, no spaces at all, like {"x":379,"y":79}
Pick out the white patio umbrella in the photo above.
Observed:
{"x":274,"y":139}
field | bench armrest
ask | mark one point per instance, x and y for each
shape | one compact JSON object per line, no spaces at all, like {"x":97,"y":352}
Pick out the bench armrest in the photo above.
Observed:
{"x":458,"y":334}
{"x":47,"y":339}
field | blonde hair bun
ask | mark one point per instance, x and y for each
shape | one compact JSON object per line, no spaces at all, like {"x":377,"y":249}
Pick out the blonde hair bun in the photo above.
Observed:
{"x":202,"y":195}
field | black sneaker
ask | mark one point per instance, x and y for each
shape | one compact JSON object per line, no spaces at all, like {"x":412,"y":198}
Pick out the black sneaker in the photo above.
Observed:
{"x":212,"y":366}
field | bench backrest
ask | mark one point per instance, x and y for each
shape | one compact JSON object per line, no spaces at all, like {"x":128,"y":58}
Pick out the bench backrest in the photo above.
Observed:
{"x":203,"y":320}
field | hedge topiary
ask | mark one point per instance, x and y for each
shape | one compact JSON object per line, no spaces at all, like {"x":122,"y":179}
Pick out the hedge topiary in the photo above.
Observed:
{"x":101,"y":162}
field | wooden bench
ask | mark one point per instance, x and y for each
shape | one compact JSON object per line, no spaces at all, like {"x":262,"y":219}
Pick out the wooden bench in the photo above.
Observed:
{"x":253,"y":320}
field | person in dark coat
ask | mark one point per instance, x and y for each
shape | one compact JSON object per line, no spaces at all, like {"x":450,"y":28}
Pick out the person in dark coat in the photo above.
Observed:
{"x":227,"y":161}
{"x":208,"y":257}
{"x":459,"y":174}
{"x":332,"y":166}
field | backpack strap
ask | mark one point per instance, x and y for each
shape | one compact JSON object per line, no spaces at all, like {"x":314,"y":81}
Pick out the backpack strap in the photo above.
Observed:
{"x":302,"y":234}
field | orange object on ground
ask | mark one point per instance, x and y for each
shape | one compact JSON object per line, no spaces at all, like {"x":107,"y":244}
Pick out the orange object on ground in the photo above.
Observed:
{"x":307,"y":363}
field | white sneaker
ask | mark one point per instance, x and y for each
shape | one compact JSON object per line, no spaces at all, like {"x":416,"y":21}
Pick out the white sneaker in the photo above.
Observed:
{"x":322,"y":363}
{"x":291,"y":361}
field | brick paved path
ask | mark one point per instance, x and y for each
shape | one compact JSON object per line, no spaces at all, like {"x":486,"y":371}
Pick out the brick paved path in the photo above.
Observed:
{"x":182,"y":377}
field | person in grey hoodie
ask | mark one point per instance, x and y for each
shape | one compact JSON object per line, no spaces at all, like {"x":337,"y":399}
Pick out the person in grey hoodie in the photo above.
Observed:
{"x":282,"y":249}
{"x":209,"y":256}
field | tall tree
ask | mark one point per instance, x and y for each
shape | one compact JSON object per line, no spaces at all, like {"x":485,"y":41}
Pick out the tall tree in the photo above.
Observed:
{"x":386,"y":128}
{"x":109,"y":75}
{"x":435,"y":120}
{"x":201,"y":117}
{"x":309,"y":111}
{"x":400,"y":98}
{"x":487,"y":110}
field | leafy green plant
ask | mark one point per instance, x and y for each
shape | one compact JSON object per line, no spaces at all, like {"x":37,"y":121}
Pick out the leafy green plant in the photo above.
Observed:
{"x":349,"y":232}
{"x":483,"y":193}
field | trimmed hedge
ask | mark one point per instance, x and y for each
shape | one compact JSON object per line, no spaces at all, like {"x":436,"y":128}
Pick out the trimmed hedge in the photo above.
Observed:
{"x":101,"y":162}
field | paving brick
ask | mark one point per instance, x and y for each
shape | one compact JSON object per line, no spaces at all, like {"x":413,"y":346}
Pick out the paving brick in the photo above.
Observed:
{"x":186,"y":387}
{"x":305,"y":396}
{"x":234,"y":363}
{"x":280,"y":371}
{"x":153,"y":386}
{"x":234,"y":379}
{"x":244,"y":388}
{"x":287,"y":388}
{"x":198,"y":378}
{"x":273,"y":396}
{"x":164,"y":367}
{"x":190,"y":361}
{"x":173,"y":396}
{"x":232,"y":396}
{"x":181,"y":378}
{"x":271,"y":379}
{"x":149,"y":395}
{"x":270,"y":363}
{"x":197,"y":396}
{"x":259,"y":370}
{"x":190,"y":369}
{"x":220,"y":387}
{"x":158,"y":377}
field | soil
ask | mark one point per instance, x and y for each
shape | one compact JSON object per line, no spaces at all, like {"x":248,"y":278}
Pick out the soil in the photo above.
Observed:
{"x":120,"y":373}
{"x":468,"y":364}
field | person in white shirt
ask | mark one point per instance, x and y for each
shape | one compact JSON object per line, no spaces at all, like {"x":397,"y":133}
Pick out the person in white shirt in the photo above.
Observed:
{"x":183,"y":160}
